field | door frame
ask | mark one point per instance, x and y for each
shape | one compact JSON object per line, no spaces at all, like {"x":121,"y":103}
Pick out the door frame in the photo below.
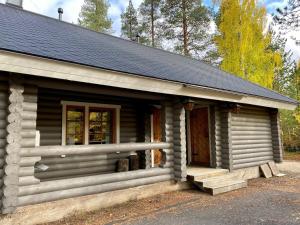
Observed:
{"x":188,"y":134}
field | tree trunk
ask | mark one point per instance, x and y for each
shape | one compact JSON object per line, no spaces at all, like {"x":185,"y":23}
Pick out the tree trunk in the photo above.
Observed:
{"x":152,"y":24}
{"x":184,"y":27}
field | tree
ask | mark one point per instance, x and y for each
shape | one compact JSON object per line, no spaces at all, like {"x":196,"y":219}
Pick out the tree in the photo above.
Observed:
{"x":242,"y":44}
{"x":129,"y":27}
{"x":290,"y":120}
{"x":186,"y":23}
{"x":288,"y":18}
{"x":284,"y":74}
{"x":149,"y":12}
{"x":93,"y":15}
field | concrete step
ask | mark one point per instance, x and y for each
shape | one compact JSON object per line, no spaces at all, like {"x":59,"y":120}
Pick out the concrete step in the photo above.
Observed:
{"x":225,"y":186}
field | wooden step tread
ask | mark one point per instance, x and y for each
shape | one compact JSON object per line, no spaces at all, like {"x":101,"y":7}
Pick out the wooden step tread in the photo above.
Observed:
{"x":225,"y":183}
{"x":227,"y":188}
{"x":217,"y":178}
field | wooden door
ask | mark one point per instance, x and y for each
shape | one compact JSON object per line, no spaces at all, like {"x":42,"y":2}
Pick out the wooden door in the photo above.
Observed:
{"x":157,"y":134}
{"x":199,"y":137}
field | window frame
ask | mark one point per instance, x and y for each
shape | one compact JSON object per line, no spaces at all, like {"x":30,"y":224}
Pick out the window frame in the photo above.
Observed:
{"x":87,"y":106}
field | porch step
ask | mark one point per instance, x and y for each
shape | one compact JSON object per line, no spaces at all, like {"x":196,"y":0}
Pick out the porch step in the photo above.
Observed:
{"x":225,"y":186}
{"x":204,"y":173}
{"x":219,"y":182}
{"x":215,"y":179}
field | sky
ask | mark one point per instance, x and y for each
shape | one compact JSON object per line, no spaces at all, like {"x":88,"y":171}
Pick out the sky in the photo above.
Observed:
{"x":72,"y":9}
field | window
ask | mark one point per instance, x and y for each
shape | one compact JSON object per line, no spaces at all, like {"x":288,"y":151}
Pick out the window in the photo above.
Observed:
{"x":88,"y":123}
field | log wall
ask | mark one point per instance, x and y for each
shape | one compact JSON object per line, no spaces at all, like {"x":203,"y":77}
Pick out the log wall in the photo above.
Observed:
{"x":3,"y":132}
{"x":276,"y":137}
{"x":29,"y":117}
{"x":215,"y":136}
{"x":167,"y":134}
{"x":226,"y":138}
{"x":251,"y":137}
{"x":90,"y":184}
{"x":49,"y":123}
{"x":13,"y":147}
{"x":179,"y":135}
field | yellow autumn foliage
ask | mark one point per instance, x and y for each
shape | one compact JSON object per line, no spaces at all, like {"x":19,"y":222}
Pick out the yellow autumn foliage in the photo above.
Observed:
{"x":243,"y":44}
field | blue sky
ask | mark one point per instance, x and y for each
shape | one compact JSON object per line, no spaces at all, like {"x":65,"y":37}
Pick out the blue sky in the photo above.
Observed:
{"x":72,"y":9}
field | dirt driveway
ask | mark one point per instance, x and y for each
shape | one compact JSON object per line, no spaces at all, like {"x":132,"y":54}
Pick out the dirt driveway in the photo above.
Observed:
{"x":272,"y":201}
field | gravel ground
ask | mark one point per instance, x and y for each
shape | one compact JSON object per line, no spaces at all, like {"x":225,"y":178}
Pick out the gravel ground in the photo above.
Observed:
{"x":265,"y":201}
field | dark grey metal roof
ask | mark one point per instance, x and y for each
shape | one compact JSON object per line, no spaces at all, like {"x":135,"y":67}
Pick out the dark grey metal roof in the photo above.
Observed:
{"x":25,"y":32}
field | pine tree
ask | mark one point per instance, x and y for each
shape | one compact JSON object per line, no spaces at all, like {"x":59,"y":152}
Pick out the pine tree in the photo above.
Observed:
{"x":93,"y":15}
{"x":242,"y":43}
{"x":129,"y":27}
{"x":187,"y":24}
{"x":149,"y":12}
{"x":284,"y":75}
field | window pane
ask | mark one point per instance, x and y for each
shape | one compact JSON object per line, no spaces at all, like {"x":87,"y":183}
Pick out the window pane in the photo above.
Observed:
{"x":75,"y":126}
{"x":100,"y":125}
{"x":75,"y":114}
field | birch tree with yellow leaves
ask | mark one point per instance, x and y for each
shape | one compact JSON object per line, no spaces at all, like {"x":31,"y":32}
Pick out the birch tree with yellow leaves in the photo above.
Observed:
{"x":243,"y":44}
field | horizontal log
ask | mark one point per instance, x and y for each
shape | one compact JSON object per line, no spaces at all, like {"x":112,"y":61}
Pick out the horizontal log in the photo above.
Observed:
{"x":250,"y":142}
{"x":3,"y":104}
{"x":52,"y":196}
{"x":87,"y":149}
{"x":3,"y":134}
{"x":249,"y":160}
{"x":249,"y":133}
{"x":251,"y":150}
{"x":28,"y":134}
{"x":29,"y":115}
{"x":29,"y":161}
{"x":252,"y":155}
{"x":49,"y":142}
{"x":51,"y":135}
{"x":76,"y":165}
{"x":250,"y":164}
{"x":26,"y":171}
{"x":26,"y":181}
{"x":250,"y":116}
{"x":240,"y":147}
{"x":29,"y":124}
{"x":28,"y":142}
{"x":82,"y":158}
{"x":50,"y":129}
{"x":3,"y":124}
{"x":49,"y":186}
{"x":250,"y":124}
{"x":29,"y":106}
{"x":248,"y":128}
{"x":48,"y":123}
{"x":75,"y":172}
{"x":252,"y":137}
{"x":50,"y":117}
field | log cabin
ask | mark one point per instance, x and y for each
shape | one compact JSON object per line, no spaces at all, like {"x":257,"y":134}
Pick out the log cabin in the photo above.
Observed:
{"x":83,"y":113}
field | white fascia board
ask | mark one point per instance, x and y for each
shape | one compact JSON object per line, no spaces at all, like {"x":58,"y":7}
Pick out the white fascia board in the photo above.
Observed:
{"x":42,"y":67}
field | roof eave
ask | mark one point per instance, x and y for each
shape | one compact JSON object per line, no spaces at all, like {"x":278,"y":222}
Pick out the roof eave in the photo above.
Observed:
{"x":42,"y":67}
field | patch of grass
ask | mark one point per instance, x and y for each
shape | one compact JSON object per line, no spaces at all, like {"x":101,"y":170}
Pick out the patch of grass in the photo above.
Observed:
{"x":291,"y":156}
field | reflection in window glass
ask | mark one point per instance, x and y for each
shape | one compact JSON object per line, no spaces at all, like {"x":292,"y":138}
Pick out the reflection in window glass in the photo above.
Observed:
{"x":75,"y":126}
{"x":100,"y":126}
